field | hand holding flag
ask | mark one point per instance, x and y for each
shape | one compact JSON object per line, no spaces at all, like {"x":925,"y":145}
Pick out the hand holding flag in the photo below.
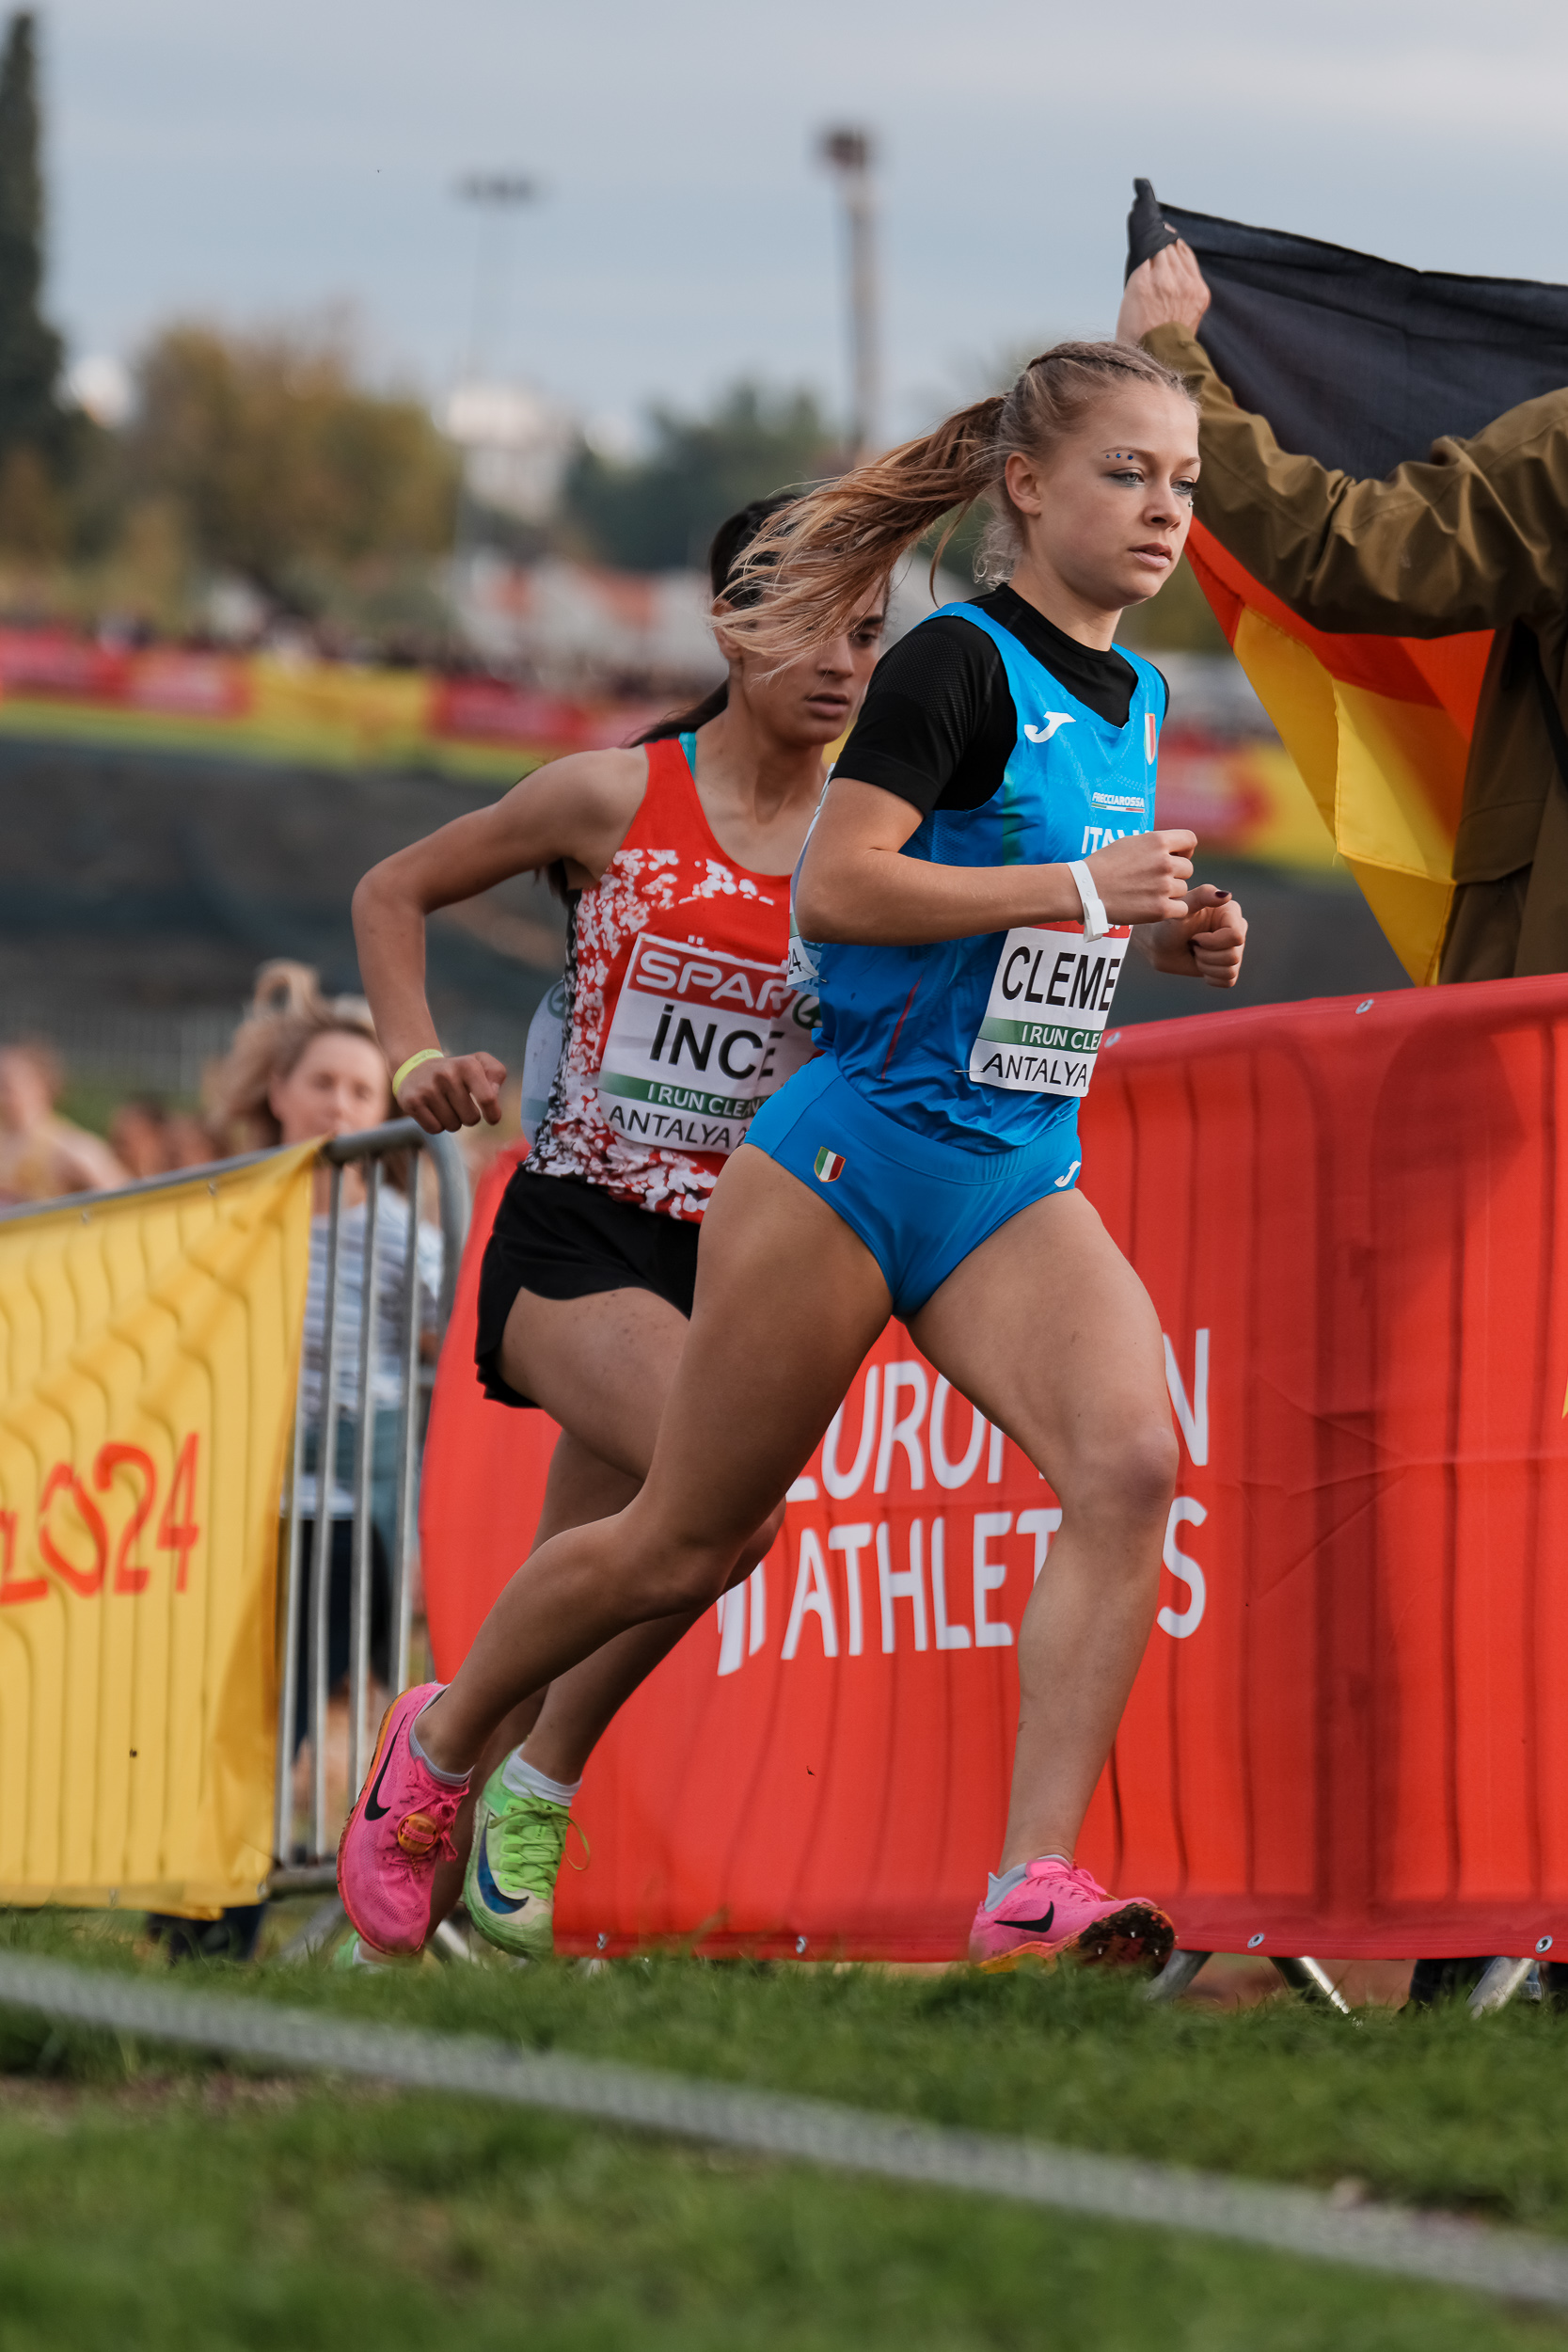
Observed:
{"x":1168,"y":290}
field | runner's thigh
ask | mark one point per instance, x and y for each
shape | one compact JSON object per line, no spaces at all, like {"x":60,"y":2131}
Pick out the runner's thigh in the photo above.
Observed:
{"x":1047,"y":1328}
{"x":600,"y":1365}
{"x":788,"y":1301}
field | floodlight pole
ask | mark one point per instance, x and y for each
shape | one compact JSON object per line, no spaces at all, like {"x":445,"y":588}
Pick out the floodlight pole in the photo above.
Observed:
{"x":849,"y":154}
{"x":497,"y":195}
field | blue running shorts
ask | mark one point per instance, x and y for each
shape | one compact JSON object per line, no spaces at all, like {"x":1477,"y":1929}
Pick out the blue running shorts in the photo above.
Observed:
{"x":919,"y":1206}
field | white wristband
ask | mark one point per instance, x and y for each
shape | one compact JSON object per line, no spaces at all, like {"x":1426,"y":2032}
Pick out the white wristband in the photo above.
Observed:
{"x":1096,"y":921}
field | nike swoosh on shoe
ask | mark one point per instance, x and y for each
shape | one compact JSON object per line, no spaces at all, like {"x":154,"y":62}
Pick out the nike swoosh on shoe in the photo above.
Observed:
{"x":374,"y":1812}
{"x":490,"y":1893}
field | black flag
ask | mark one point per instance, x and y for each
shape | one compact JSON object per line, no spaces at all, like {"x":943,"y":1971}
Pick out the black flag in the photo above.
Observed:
{"x":1358,"y":363}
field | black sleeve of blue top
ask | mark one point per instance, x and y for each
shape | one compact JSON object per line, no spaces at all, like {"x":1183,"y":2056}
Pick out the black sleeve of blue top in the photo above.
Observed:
{"x":938,"y":725}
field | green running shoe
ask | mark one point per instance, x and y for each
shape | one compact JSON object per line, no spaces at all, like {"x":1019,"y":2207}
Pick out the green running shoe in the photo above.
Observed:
{"x":356,"y":1953}
{"x":509,"y":1886}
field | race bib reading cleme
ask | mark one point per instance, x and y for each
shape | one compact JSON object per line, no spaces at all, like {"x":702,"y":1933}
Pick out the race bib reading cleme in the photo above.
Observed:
{"x":1050,"y":1000}
{"x":699,"y":1041}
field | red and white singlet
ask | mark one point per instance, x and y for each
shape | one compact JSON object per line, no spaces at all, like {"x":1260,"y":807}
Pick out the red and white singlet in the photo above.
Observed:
{"x":679,"y":1023}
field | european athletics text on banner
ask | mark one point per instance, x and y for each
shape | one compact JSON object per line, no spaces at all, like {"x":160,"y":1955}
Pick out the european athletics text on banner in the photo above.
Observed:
{"x":151,"y":1346}
{"x":1362,"y":365}
{"x":1348,"y":1734}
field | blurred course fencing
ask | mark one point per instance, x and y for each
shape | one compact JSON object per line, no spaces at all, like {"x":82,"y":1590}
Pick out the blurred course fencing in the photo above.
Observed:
{"x":1452,"y":2249}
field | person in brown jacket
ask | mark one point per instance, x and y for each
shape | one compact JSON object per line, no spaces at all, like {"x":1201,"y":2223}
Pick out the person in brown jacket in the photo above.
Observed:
{"x":1474,"y":536}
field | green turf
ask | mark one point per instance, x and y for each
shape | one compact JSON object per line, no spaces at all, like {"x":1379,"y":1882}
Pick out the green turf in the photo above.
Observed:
{"x":150,"y":2201}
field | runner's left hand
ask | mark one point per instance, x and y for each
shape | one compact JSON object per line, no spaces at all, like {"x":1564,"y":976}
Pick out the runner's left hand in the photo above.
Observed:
{"x":1206,"y":944}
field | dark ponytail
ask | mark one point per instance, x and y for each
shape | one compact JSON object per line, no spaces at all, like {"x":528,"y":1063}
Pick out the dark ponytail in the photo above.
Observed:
{"x":686,"y":722}
{"x":731,"y":540}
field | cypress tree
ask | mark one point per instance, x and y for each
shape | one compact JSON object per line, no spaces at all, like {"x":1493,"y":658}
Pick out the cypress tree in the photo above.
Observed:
{"x":31,"y":415}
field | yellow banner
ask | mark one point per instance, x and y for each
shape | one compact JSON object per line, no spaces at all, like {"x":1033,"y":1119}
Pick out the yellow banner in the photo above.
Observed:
{"x":149,"y":1350}
{"x":381,"y":715}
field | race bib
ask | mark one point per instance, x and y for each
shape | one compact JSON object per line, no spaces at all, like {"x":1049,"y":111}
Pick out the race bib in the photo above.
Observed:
{"x":699,"y":1041}
{"x":1050,"y":1000}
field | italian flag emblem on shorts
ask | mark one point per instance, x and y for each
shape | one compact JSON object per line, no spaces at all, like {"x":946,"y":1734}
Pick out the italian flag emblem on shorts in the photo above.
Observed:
{"x":828,"y":1166}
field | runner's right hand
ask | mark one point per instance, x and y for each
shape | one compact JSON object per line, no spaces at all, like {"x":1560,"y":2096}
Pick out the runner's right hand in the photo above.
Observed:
{"x":1141,"y":879}
{"x":458,"y":1090}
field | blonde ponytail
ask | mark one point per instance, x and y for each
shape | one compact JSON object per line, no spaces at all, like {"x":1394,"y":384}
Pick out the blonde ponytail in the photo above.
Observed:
{"x":819,"y":557}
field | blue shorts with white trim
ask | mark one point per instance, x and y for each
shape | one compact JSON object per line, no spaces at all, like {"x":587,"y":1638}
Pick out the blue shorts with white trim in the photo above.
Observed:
{"x":919,"y":1206}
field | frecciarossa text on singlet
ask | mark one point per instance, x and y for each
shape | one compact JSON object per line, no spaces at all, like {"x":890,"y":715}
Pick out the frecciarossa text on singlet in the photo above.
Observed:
{"x":988,"y":1041}
{"x":678,"y":1021}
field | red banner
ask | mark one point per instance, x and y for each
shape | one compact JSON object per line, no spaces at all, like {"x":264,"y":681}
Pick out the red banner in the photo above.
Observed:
{"x":1350,"y":1733}
{"x":53,"y":666}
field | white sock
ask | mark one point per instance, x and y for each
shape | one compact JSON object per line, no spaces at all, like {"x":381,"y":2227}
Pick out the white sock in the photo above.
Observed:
{"x":526,"y":1780}
{"x":447,"y":1780}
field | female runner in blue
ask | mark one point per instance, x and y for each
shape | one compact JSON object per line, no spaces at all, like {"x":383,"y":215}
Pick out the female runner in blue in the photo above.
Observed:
{"x":983,"y":853}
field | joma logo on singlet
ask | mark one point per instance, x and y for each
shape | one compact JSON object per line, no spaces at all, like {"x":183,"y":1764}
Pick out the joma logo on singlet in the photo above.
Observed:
{"x":1053,"y":718}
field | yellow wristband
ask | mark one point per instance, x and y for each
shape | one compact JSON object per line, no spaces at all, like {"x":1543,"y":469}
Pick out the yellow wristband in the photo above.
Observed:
{"x":426,"y":1052}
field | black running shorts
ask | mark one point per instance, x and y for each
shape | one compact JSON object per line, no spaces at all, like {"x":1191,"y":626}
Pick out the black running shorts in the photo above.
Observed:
{"x":562,"y":1238}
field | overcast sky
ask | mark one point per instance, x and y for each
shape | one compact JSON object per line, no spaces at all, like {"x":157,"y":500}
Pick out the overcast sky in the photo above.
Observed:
{"x":208,"y":157}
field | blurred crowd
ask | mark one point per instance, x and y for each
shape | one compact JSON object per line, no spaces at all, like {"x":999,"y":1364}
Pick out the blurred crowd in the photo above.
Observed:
{"x":45,"y":1156}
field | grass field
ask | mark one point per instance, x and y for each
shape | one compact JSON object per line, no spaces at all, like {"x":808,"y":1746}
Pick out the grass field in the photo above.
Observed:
{"x":156,"y":2200}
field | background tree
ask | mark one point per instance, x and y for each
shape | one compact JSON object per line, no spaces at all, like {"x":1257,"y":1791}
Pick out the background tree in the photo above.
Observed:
{"x":30,"y":351}
{"x":658,"y":513}
{"x":36,"y":433}
{"x":281,"y":463}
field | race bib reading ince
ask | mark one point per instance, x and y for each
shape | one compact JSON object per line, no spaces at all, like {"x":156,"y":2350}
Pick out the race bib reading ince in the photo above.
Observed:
{"x":1050,"y":1000}
{"x":699,"y":1041}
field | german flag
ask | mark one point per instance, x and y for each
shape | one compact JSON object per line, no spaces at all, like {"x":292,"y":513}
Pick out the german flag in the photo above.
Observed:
{"x":1362,"y":365}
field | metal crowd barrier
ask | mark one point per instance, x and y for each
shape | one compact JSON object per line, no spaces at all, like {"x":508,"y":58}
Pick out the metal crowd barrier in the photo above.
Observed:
{"x":306,"y":1582}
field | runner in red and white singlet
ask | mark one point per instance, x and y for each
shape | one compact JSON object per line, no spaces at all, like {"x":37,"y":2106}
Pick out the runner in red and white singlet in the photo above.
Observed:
{"x":677,"y":1026}
{"x":679,"y":1023}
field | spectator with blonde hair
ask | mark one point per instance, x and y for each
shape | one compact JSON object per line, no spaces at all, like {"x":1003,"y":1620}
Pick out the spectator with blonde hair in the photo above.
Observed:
{"x":302,"y":1066}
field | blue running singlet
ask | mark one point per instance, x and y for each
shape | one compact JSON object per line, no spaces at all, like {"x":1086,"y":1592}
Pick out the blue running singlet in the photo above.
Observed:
{"x":971,"y":1051}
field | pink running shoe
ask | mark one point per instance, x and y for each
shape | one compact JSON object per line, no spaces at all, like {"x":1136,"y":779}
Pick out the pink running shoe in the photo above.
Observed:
{"x":398,"y":1831}
{"x":1054,"y":1910}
